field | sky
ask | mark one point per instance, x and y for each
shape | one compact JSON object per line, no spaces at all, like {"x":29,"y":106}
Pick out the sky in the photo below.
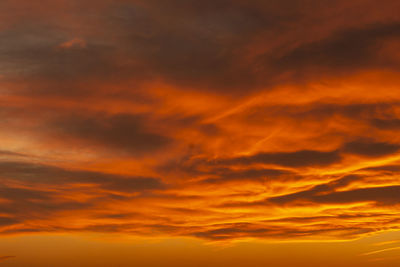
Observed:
{"x":199,"y":133}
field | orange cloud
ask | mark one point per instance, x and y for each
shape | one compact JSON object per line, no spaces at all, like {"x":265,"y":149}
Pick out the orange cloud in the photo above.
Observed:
{"x":76,"y":42}
{"x":219,"y":120}
{"x":3,"y":258}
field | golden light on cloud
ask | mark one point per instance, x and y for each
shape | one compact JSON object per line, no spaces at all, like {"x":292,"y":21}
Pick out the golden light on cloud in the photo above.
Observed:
{"x":228,"y":127}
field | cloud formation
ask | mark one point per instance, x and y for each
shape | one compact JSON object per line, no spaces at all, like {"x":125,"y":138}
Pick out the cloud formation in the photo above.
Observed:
{"x":219,"y":120}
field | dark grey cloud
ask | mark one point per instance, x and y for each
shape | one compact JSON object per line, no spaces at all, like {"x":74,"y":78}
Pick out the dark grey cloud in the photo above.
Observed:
{"x":33,"y":50}
{"x":271,"y":231}
{"x":321,"y":112}
{"x":390,"y":169}
{"x":316,"y":190}
{"x":302,"y":158}
{"x":355,"y":111}
{"x":370,"y":148}
{"x":203,"y":46}
{"x":23,"y":205}
{"x":327,"y":193}
{"x":347,"y":50}
{"x":6,"y":221}
{"x":307,"y":158}
{"x":316,"y":219}
{"x":33,"y":173}
{"x":122,"y":132}
{"x":225,"y":175}
{"x":386,"y":195}
{"x":23,"y":194}
{"x":6,"y":153}
{"x":194,"y":45}
{"x":27,"y":202}
{"x":386,"y":124}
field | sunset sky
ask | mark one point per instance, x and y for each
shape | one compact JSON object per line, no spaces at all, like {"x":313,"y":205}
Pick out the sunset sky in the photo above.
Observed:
{"x":240,"y":133}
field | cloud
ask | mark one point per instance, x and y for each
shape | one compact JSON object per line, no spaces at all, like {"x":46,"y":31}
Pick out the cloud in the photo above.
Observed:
{"x":51,"y":175}
{"x":30,"y":51}
{"x":254,"y":175}
{"x":3,"y":258}
{"x":386,"y":195}
{"x":370,"y":148}
{"x":22,"y":208}
{"x":5,"y":221}
{"x":197,"y":46}
{"x":303,"y":158}
{"x":73,"y":43}
{"x":6,"y":153}
{"x":386,"y":124}
{"x":328,"y":193}
{"x":220,"y":120}
{"x":32,"y":191}
{"x":343,"y":51}
{"x":121,"y":132}
{"x":253,"y":230}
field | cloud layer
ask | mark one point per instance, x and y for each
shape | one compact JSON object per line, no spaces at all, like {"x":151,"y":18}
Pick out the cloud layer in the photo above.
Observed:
{"x":219,"y":120}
